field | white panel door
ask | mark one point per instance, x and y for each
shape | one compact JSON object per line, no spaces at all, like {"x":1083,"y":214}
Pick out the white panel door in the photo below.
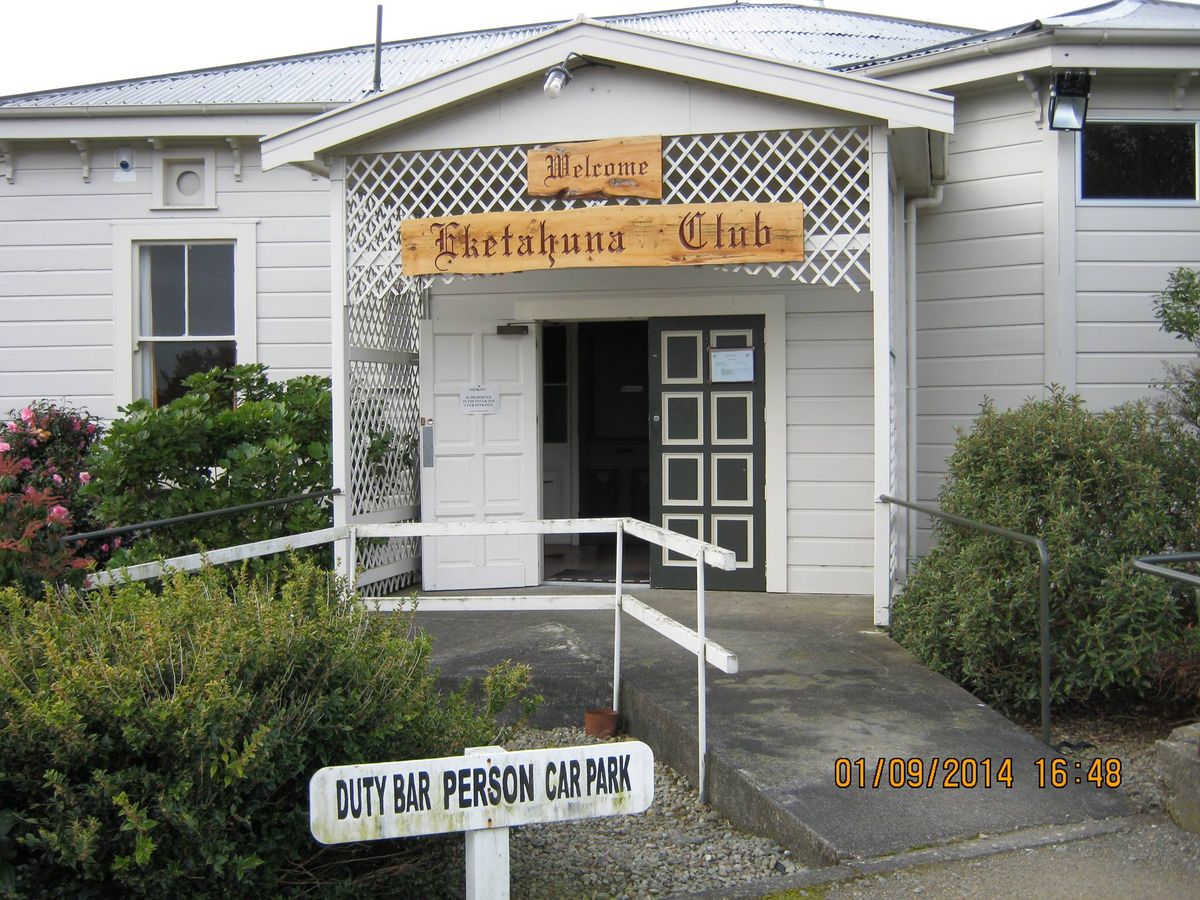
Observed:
{"x":484,"y":466}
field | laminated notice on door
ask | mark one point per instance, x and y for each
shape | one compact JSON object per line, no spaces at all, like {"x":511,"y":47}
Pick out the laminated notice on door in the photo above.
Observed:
{"x":734,"y":364}
{"x":479,"y":399}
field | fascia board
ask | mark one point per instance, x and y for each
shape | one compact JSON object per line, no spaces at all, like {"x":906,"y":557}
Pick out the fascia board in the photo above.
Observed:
{"x":974,"y":70}
{"x":1116,"y":48}
{"x":145,"y":127}
{"x":1160,"y":57}
{"x":898,"y":106}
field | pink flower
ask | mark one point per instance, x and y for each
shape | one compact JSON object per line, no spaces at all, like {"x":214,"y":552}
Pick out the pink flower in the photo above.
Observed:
{"x":91,"y":428}
{"x":116,"y":543}
{"x":27,"y":415}
{"x":85,"y":477}
{"x":56,"y":478}
{"x":26,"y":464}
{"x":104,"y":548}
{"x":58,"y":514}
{"x":13,"y":426}
{"x":74,"y":424}
{"x":4,"y":447}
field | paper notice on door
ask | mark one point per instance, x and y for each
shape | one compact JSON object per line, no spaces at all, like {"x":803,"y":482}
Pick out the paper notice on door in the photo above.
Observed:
{"x":731,"y":364}
{"x":479,"y":399}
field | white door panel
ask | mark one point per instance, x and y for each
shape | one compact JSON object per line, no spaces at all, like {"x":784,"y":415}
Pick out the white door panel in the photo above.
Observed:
{"x":485,"y":467}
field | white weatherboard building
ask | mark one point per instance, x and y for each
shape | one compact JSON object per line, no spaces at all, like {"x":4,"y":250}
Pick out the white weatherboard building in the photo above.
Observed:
{"x":955,"y":247}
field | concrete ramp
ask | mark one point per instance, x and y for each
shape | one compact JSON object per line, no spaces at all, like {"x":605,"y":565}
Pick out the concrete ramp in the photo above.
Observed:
{"x":817,"y":684}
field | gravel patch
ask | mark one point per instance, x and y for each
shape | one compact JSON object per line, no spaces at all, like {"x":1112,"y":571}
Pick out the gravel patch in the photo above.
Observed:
{"x":1128,"y":736}
{"x":678,"y":846}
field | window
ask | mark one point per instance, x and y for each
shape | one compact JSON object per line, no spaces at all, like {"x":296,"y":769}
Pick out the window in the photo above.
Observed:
{"x":183,"y":301}
{"x":1138,"y":161}
{"x":186,"y":315}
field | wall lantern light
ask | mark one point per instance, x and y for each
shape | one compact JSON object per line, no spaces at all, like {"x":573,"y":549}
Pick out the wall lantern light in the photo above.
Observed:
{"x":1069,"y":100}
{"x":557,"y":77}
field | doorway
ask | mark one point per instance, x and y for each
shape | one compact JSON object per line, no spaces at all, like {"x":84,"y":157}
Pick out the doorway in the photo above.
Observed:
{"x":595,"y":444}
{"x":661,"y":420}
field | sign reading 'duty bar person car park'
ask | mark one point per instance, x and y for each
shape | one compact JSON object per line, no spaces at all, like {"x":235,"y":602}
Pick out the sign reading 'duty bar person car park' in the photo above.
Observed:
{"x":465,"y":793}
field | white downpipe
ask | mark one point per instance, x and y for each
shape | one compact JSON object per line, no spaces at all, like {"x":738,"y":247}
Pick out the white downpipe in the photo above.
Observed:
{"x":701,"y":685}
{"x":910,"y":324}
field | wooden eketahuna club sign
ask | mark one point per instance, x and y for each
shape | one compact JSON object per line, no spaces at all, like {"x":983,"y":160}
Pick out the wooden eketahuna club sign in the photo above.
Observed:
{"x":684,"y":234}
{"x":483,"y":792}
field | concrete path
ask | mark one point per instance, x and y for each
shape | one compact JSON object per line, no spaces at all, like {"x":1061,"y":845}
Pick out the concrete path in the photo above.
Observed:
{"x":817,"y":683}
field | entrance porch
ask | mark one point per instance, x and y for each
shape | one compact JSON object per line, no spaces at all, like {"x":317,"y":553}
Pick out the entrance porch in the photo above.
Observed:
{"x":816,"y":683}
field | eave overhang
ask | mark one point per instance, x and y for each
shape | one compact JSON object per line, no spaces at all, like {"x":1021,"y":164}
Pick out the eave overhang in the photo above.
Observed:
{"x":1050,"y":47}
{"x":897,"y":106}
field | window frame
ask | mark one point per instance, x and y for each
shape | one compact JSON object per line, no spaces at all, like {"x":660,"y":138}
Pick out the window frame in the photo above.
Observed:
{"x":128,"y":239}
{"x":1189,"y":119}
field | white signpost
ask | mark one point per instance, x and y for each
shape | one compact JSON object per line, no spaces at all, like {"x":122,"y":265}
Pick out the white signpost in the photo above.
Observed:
{"x":483,"y":792}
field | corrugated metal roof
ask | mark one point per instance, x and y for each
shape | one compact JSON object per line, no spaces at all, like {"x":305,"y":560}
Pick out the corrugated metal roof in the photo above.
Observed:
{"x":801,"y":34}
{"x":1131,"y":14}
{"x":1120,"y":14}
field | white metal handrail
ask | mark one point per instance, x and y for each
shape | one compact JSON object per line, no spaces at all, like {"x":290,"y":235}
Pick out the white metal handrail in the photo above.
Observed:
{"x":696,"y":642}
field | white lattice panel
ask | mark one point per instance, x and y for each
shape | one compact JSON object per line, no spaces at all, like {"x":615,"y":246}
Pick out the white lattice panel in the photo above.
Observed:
{"x":827,"y":170}
{"x":379,"y":553}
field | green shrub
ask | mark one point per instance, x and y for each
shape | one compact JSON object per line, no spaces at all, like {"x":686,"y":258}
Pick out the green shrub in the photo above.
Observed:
{"x":43,"y":465}
{"x":1177,"y":673}
{"x":160,"y":744}
{"x":234,"y":438}
{"x":1100,"y":488}
{"x":1178,"y":311}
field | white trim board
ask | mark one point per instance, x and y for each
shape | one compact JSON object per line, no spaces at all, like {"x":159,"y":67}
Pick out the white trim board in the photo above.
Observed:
{"x":125,"y":240}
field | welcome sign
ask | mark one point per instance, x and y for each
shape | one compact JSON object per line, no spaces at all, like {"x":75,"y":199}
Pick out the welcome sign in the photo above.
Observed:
{"x":620,"y":167}
{"x":685,"y":234}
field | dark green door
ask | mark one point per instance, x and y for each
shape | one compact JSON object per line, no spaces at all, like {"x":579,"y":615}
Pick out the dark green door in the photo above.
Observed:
{"x":707,"y":434}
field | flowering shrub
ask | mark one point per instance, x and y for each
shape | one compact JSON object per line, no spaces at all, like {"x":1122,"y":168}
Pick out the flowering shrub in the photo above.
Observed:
{"x":43,"y":465}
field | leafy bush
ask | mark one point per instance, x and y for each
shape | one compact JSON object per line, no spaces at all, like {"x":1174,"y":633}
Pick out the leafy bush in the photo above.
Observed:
{"x":234,"y":438}
{"x":1099,"y":488}
{"x":1177,"y":672}
{"x":160,"y":744}
{"x":43,"y":453}
{"x":1178,"y":312}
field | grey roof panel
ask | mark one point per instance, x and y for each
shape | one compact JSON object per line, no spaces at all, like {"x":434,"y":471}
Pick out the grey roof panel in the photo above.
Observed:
{"x":802,"y":34}
{"x":1114,"y":16}
{"x":1131,"y":14}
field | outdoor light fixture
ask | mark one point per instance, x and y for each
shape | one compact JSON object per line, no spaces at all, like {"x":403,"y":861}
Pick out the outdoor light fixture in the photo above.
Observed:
{"x":1069,"y":100}
{"x":557,"y":77}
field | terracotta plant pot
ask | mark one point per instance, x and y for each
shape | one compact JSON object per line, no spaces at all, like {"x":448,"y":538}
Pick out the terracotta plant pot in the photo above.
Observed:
{"x":600,"y":723}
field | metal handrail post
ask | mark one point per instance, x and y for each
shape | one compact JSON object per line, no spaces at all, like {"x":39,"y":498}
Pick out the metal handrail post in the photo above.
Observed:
{"x":617,"y":614}
{"x":701,"y":685}
{"x":1148,"y":564}
{"x":1043,"y":585}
